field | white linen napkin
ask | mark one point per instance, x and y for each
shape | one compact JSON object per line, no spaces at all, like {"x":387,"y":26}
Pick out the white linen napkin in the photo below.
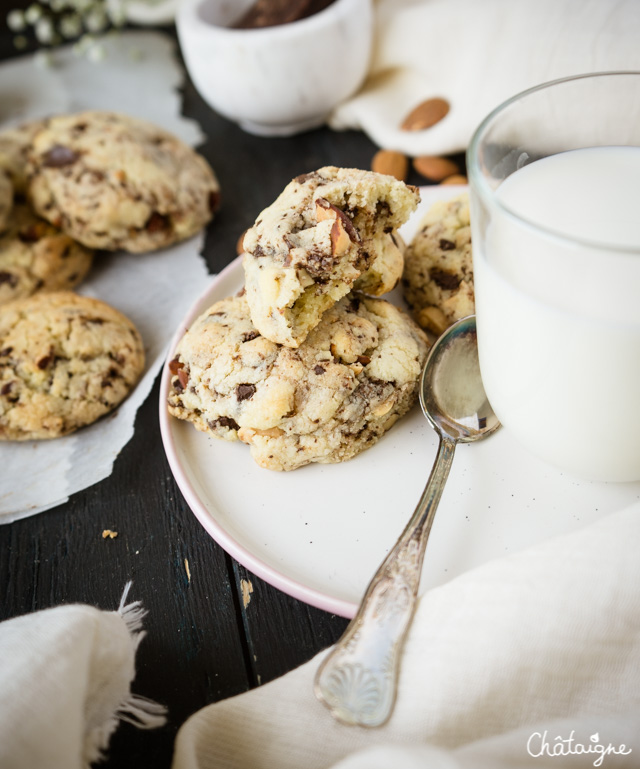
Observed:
{"x":476,"y":55}
{"x":65,"y":675}
{"x":541,"y":645}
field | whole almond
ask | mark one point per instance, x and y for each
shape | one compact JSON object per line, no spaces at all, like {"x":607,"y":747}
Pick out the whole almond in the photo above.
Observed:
{"x":435,"y":168}
{"x":240,"y":242}
{"x":390,"y":163}
{"x":455,"y":179}
{"x":426,"y":114}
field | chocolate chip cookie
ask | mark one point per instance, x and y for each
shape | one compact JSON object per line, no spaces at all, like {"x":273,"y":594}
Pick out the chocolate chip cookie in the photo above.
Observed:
{"x":334,"y":396}
{"x":35,"y":256}
{"x":65,"y":361}
{"x":438,"y":270}
{"x":115,"y":182}
{"x":308,"y":248}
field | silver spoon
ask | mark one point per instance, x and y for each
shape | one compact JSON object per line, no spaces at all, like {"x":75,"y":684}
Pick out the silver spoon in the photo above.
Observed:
{"x":357,"y":679}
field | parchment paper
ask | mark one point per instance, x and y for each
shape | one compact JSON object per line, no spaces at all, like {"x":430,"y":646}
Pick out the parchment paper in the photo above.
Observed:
{"x":140,"y":77}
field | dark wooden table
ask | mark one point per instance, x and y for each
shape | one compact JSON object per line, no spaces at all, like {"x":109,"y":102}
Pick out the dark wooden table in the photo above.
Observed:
{"x":202,"y":643}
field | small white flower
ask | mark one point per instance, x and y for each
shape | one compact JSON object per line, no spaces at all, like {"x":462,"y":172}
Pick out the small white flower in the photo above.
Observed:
{"x":33,"y":13}
{"x":116,"y":12}
{"x":70,"y":26}
{"x":69,"y":20}
{"x":44,"y":30}
{"x":96,"y":20}
{"x":16,"y":21}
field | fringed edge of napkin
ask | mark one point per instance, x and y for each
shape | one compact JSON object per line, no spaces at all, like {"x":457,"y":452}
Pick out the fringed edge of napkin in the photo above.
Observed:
{"x":135,"y":709}
{"x":141,"y":712}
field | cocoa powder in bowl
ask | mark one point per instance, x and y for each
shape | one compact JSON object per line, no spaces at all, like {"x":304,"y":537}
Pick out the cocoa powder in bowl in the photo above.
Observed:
{"x":271,"y":13}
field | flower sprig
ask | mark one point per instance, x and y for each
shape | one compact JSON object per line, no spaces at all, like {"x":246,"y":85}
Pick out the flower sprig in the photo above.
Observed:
{"x":53,"y":22}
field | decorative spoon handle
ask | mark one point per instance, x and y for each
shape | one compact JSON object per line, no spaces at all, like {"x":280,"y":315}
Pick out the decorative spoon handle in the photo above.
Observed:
{"x":357,"y":679}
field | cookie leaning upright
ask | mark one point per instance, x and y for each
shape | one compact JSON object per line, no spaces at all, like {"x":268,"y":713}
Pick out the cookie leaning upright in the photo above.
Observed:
{"x":438,"y":268}
{"x":335,"y":395}
{"x":307,"y":249}
{"x":65,"y":361}
{"x":116,"y":182}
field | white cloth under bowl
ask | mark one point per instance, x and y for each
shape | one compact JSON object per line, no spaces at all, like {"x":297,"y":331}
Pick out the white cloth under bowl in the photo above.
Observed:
{"x":476,"y":54}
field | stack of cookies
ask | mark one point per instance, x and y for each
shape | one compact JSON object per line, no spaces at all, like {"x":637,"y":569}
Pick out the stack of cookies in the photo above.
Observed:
{"x":70,"y":185}
{"x":306,"y":364}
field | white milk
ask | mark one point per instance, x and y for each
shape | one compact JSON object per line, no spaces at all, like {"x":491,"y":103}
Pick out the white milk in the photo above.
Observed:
{"x":559,"y":315}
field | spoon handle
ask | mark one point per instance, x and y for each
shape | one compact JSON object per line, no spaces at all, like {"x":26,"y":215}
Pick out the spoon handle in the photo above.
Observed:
{"x":357,"y":679}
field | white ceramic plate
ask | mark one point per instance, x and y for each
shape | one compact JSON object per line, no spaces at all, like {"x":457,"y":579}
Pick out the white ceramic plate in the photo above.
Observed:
{"x":319,"y":533}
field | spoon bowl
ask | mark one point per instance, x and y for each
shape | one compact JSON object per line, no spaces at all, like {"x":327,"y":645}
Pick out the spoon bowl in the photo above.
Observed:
{"x":451,"y":393}
{"x":357,"y":680}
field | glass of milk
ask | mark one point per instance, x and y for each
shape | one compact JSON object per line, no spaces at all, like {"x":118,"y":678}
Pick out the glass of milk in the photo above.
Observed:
{"x":555,"y":218}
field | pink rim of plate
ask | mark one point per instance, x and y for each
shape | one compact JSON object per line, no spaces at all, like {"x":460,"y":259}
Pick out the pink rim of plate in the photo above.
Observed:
{"x":206,"y":518}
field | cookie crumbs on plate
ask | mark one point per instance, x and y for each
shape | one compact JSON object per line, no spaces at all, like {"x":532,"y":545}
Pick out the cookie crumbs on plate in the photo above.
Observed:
{"x":108,"y":534}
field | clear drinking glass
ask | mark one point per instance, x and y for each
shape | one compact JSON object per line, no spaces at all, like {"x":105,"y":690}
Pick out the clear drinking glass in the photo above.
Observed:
{"x":555,"y":216}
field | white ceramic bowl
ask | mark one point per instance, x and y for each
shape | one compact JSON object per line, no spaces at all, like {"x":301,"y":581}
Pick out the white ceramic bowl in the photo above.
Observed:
{"x":279,"y":80}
